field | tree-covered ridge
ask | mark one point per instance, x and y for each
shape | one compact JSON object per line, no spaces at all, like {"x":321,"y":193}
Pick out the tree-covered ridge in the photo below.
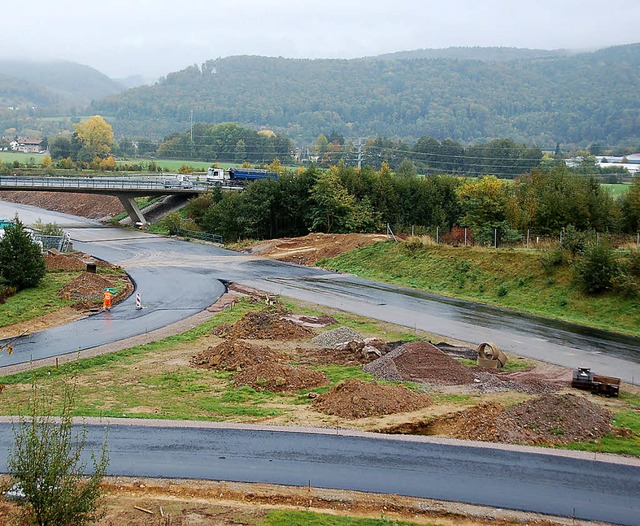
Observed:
{"x":543,"y":100}
{"x":75,"y":84}
{"x":491,"y":53}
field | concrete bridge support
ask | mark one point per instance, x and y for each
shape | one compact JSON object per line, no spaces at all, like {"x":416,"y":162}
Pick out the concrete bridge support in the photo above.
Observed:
{"x":132,"y":209}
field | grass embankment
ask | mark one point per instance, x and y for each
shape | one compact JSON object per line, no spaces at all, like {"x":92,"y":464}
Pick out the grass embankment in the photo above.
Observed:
{"x":508,"y":278}
{"x":44,"y":299}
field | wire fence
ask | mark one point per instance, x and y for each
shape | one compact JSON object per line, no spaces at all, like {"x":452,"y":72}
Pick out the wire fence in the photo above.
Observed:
{"x":523,"y":239}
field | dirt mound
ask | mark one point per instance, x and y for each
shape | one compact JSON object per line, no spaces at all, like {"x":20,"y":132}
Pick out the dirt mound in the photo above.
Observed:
{"x":235,"y":355}
{"x":85,"y":205}
{"x":548,"y":419}
{"x":313,"y":247}
{"x":87,"y":286}
{"x":63,"y":262}
{"x":277,"y":377}
{"x":263,"y":326}
{"x":555,"y":418}
{"x":420,"y":362}
{"x":357,"y":399}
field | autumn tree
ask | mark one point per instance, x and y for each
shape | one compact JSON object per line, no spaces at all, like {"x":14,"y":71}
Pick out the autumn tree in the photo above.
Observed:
{"x":95,"y":135}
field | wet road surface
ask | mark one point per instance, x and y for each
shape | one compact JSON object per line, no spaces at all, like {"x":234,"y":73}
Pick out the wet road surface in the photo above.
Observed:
{"x":176,"y":278}
{"x":414,"y":466}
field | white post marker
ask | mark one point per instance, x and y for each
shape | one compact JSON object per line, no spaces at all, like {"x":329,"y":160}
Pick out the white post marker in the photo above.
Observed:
{"x":138,"y":302}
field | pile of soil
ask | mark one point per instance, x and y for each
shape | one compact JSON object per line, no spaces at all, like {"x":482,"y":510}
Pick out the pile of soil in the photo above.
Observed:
{"x":86,"y":287}
{"x":357,"y":399}
{"x":311,"y":248}
{"x":548,"y":419}
{"x":235,"y":355}
{"x":263,"y":326}
{"x":277,"y":377}
{"x":64,"y":262}
{"x":420,"y":362}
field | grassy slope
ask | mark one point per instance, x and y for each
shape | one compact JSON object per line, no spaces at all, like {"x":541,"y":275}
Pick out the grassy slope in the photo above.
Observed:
{"x":513,"y":279}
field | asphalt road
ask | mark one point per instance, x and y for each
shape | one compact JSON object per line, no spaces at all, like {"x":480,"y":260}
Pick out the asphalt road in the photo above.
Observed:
{"x":176,"y":278}
{"x":515,"y":478}
{"x":547,"y":483}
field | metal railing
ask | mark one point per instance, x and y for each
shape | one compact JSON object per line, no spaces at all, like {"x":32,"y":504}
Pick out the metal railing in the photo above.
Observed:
{"x":204,"y":236}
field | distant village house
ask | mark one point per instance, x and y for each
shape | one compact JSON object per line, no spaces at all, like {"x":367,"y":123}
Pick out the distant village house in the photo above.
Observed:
{"x":26,"y":145}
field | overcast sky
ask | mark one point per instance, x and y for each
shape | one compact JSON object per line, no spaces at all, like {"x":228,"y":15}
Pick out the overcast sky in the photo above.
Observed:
{"x":155,"y":37}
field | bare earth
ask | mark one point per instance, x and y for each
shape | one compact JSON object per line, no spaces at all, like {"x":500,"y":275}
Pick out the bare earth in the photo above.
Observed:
{"x":266,"y":344}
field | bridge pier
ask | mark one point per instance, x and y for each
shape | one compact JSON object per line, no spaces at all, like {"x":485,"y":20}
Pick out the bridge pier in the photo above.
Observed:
{"x":132,"y":209}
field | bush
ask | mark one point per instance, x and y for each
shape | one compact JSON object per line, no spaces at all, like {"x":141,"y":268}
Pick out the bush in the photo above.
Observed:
{"x":21,"y":263}
{"x":46,"y":464}
{"x":551,"y":259}
{"x":597,"y":269}
{"x":415,"y":244}
{"x":574,"y":240}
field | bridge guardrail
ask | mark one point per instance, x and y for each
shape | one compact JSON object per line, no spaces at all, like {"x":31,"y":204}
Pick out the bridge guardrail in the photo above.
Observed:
{"x":204,"y":236}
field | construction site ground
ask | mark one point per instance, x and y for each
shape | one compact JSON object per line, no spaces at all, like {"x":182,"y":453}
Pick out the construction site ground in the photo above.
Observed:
{"x":279,"y":350}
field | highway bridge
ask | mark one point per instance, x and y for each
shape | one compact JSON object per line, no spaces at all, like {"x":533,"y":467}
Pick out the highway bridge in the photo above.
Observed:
{"x":124,"y":188}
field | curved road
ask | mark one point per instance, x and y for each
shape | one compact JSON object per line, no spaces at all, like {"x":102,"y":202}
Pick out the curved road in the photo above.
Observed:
{"x":176,"y":279}
{"x":548,"y":483}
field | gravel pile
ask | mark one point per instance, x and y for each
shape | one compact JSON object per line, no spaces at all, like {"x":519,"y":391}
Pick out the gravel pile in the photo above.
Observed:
{"x":330,"y":339}
{"x":493,"y":383}
{"x":420,"y":362}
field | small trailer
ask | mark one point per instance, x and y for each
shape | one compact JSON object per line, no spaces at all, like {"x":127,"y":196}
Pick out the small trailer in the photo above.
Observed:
{"x":584,"y":379}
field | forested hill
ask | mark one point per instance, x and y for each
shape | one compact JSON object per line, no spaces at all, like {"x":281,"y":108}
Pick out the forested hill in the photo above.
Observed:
{"x":574,"y":99}
{"x":52,"y":86}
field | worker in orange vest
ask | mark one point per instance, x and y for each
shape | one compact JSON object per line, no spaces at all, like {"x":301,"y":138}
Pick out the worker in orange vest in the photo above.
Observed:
{"x":106,"y":300}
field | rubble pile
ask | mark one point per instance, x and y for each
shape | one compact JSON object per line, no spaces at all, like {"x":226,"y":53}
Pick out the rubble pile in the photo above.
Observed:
{"x":330,"y":339}
{"x":277,"y":377}
{"x":263,"y":326}
{"x":357,"y":399}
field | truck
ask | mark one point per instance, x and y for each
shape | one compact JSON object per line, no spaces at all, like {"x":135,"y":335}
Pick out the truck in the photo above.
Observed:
{"x":598,"y":384}
{"x":179,"y":181}
{"x":237,"y":176}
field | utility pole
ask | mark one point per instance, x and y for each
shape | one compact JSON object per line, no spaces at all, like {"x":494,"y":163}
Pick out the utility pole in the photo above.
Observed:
{"x":191,"y":131}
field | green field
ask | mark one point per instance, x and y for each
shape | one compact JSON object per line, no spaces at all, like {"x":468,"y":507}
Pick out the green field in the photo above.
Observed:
{"x":617,"y":190}
{"x":22,"y":158}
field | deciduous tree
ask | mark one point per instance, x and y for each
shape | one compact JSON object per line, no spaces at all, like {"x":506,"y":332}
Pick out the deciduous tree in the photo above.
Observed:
{"x":96,"y":135}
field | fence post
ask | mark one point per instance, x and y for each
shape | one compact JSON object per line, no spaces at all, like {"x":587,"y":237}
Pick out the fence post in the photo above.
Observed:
{"x":465,"y":236}
{"x":495,"y":238}
{"x":437,"y":235}
{"x":528,"y":231}
{"x":638,"y":239}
